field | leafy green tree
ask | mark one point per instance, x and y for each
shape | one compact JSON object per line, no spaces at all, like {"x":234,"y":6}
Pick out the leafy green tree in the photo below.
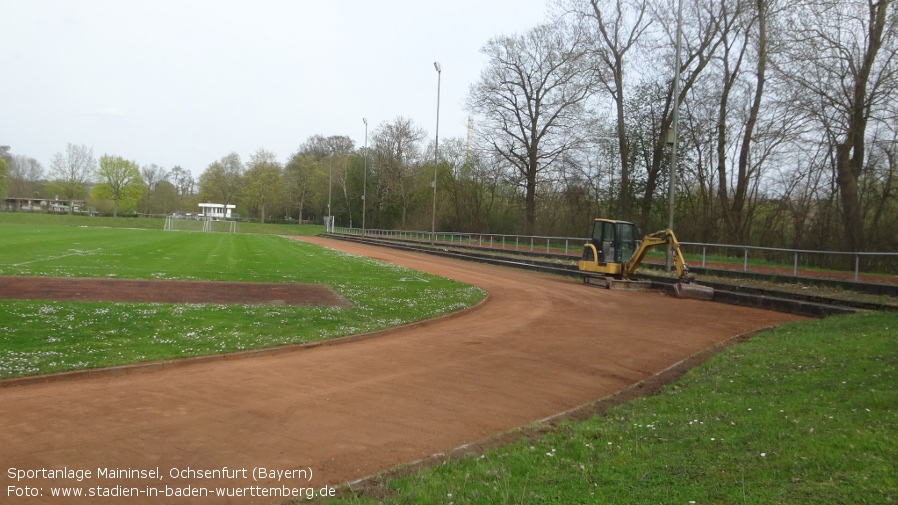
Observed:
{"x":300,"y":174}
{"x":397,"y":153}
{"x":4,"y":176}
{"x":262,"y":182}
{"x":121,"y":182}
{"x":332,"y":154}
{"x":165,"y":197}
{"x":222,"y":181}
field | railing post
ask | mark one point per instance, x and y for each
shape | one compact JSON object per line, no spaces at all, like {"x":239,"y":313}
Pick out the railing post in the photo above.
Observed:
{"x":857,"y":266}
{"x":745,"y":261}
{"x":795,"y":269}
{"x":547,"y":245}
{"x":704,"y":251}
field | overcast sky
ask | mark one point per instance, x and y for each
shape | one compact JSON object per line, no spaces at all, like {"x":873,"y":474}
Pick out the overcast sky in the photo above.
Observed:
{"x":186,"y":82}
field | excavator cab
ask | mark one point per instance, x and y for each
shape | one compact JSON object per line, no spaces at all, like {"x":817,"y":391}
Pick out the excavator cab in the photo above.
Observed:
{"x":611,"y":244}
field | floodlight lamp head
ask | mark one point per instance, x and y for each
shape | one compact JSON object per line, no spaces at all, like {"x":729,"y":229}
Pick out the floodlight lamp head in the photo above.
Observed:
{"x":437,"y":66}
{"x":365,"y":120}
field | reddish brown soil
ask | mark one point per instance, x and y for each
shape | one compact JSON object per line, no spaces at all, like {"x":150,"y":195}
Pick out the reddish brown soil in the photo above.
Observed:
{"x":539,"y":346}
{"x":161,"y":291}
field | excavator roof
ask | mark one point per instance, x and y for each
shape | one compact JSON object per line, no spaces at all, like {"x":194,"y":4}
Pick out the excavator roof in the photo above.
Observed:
{"x":615,"y":221}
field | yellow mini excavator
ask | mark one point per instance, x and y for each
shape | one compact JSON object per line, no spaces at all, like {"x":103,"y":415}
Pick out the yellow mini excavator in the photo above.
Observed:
{"x":612,"y":256}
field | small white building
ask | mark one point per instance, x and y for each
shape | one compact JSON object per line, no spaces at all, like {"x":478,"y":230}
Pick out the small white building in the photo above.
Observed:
{"x":215,"y":211}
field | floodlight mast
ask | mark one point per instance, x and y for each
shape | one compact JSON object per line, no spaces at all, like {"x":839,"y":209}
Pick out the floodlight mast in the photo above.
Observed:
{"x":365,"y":178}
{"x":436,"y":156}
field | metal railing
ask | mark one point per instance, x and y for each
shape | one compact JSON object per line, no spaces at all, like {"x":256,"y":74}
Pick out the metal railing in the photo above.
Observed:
{"x":794,"y":253}
{"x":518,"y":243}
{"x":571,"y":246}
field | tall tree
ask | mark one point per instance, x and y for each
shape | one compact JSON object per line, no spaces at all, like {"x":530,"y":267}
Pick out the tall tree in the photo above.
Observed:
{"x":743,"y":33}
{"x":299,"y":175}
{"x":183,"y":182}
{"x":120,"y":181}
{"x":165,"y":197}
{"x":332,"y":153}
{"x":262,"y":182}
{"x":842,"y":57}
{"x":6,"y":160}
{"x":699,"y":44}
{"x":72,"y":171}
{"x":25,"y":174}
{"x":614,"y":29}
{"x":152,"y":175}
{"x":397,"y":153}
{"x":222,"y":180}
{"x":532,"y":97}
{"x":4,"y":176}
{"x":340,"y":148}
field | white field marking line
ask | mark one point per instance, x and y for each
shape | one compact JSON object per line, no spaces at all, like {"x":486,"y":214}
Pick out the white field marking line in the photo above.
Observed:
{"x":76,"y":253}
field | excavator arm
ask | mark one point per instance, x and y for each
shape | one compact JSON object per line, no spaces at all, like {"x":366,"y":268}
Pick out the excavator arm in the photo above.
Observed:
{"x":651,"y":240}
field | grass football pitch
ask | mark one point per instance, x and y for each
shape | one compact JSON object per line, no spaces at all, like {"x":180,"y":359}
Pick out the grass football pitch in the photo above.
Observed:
{"x":45,"y":336}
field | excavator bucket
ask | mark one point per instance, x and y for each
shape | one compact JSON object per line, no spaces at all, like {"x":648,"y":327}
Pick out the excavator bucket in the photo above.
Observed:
{"x":693,"y":291}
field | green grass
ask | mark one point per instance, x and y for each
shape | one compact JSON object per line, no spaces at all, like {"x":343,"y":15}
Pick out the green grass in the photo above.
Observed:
{"x":147,"y":223}
{"x":46,"y":336}
{"x":803,"y":414}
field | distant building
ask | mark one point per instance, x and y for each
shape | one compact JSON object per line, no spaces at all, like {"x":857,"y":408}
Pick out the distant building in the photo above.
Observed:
{"x":54,"y":205}
{"x":216,"y":211}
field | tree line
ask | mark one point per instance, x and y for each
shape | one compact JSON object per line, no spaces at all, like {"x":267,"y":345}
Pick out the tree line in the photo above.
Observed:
{"x":786,"y":135}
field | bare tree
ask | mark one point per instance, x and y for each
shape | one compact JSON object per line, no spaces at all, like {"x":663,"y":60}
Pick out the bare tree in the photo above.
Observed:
{"x":183,"y":182}
{"x":842,"y":57}
{"x":72,"y":171}
{"x":615,"y":28}
{"x":532,"y":98}
{"x":25,"y":174}
{"x":700,"y":42}
{"x":743,"y":34}
{"x":152,"y":175}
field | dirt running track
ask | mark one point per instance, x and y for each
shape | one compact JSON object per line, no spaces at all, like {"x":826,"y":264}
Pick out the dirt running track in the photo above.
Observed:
{"x":539,"y":346}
